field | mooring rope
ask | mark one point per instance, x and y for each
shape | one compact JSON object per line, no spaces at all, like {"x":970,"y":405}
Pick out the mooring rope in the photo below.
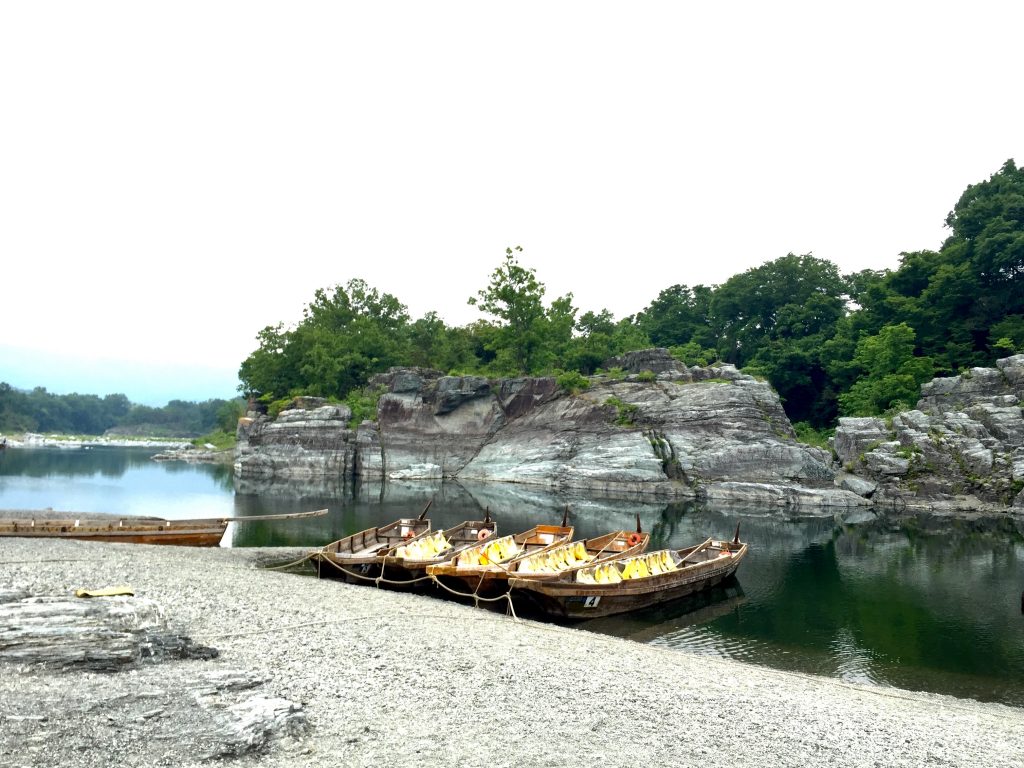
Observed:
{"x":378,"y":580}
{"x":477,"y":599}
{"x":300,"y":561}
{"x":375,"y":579}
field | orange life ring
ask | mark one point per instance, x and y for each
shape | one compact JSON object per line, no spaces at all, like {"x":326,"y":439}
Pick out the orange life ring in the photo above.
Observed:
{"x":634,"y":539}
{"x":483,"y":533}
{"x":409,"y":534}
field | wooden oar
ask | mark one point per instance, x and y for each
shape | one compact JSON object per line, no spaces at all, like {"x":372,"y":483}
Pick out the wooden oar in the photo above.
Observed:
{"x":283,"y":516}
{"x":50,"y":516}
{"x":423,"y":514}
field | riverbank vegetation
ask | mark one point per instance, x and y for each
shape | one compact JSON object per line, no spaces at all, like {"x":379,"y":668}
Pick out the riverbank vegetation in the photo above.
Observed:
{"x":37,"y":410}
{"x":830,"y":344}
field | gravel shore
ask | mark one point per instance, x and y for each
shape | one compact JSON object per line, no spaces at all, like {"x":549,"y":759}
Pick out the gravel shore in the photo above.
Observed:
{"x":366,"y":677}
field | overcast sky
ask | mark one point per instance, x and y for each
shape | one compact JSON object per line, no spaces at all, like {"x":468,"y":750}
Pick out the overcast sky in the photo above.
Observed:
{"x":176,"y":176}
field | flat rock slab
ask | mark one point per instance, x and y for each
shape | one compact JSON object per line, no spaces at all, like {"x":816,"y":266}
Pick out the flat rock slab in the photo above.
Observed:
{"x":82,"y":673}
{"x":149,"y":716}
{"x":101,"y":634}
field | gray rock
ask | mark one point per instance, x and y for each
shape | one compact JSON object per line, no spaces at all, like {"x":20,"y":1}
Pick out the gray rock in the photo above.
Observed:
{"x":1012,"y":369}
{"x":100,"y":634}
{"x":674,"y":437}
{"x":308,"y":446}
{"x":856,"y":436}
{"x":1003,"y":422}
{"x":855,"y":484}
{"x":959,"y":449}
{"x":666,"y":438}
{"x":782,"y":495}
{"x":657,"y":360}
{"x":884,"y":461}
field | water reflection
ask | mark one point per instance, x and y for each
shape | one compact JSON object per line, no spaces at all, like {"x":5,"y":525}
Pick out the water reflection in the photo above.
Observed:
{"x":77,"y":462}
{"x":877,"y":603}
{"x":122,"y":481}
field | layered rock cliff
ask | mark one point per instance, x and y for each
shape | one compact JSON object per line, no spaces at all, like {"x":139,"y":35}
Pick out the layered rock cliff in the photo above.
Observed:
{"x":961,"y":448}
{"x":662,"y":430}
{"x":308,"y":446}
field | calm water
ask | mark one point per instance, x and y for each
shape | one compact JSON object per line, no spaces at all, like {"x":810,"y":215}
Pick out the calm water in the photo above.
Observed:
{"x":921,"y":604}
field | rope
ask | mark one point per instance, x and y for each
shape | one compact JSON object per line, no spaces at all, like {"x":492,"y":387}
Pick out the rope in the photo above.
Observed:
{"x":300,"y":561}
{"x":477,"y":599}
{"x":378,"y":580}
{"x":375,"y":579}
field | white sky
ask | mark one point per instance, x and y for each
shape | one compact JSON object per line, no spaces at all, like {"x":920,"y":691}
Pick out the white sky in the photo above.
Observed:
{"x":175,"y":176}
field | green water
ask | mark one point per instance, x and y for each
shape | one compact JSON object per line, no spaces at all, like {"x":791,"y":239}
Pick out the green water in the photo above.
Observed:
{"x":919,"y":603}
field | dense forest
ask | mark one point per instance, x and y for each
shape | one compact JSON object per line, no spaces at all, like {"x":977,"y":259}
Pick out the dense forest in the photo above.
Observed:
{"x":40,"y":411}
{"x":831,"y":344}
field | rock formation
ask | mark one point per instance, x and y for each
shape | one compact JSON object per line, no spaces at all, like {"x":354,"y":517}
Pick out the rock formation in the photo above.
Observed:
{"x":961,"y":448}
{"x":659,"y":429}
{"x":308,"y":445}
{"x":212,"y":713}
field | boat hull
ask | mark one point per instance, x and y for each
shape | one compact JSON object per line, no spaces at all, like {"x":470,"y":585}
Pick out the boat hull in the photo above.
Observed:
{"x":359,"y":558}
{"x":575,"y":601}
{"x":186,"y":536}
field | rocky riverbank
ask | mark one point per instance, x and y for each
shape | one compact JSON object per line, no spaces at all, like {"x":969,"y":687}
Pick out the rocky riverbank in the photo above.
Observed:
{"x":659,"y":430}
{"x":315,"y":672}
{"x":71,"y":443}
{"x":961,"y":448}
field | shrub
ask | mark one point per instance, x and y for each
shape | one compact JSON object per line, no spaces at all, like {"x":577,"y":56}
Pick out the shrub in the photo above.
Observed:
{"x":220,"y":439}
{"x":692,"y":353}
{"x":625,"y":412}
{"x":363,"y":404}
{"x":275,"y":407}
{"x":572,"y":381}
{"x":811,"y":436}
{"x":615,"y":374}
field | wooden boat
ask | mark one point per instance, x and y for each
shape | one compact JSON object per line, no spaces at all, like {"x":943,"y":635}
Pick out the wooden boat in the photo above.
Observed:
{"x":206,"y":532}
{"x":408,"y":562}
{"x":359,"y":557}
{"x":482,"y":569}
{"x":564,"y":559}
{"x":634,"y":582}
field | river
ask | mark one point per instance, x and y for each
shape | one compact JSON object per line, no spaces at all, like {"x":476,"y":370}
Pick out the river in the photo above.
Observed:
{"x":922,"y":603}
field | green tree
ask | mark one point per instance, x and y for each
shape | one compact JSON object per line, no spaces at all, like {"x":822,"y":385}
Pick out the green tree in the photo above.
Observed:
{"x":1007,"y":336}
{"x":678,"y":316}
{"x":791,"y":297}
{"x":515,"y":297}
{"x":775,"y":320}
{"x":271,"y":369}
{"x":599,"y":337}
{"x":891,"y":376}
{"x":433,"y":344}
{"x":962,"y":299}
{"x":228,"y":414}
{"x":346,"y":335}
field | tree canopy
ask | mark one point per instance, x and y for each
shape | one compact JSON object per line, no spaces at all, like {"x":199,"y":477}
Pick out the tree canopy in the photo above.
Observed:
{"x":37,"y":410}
